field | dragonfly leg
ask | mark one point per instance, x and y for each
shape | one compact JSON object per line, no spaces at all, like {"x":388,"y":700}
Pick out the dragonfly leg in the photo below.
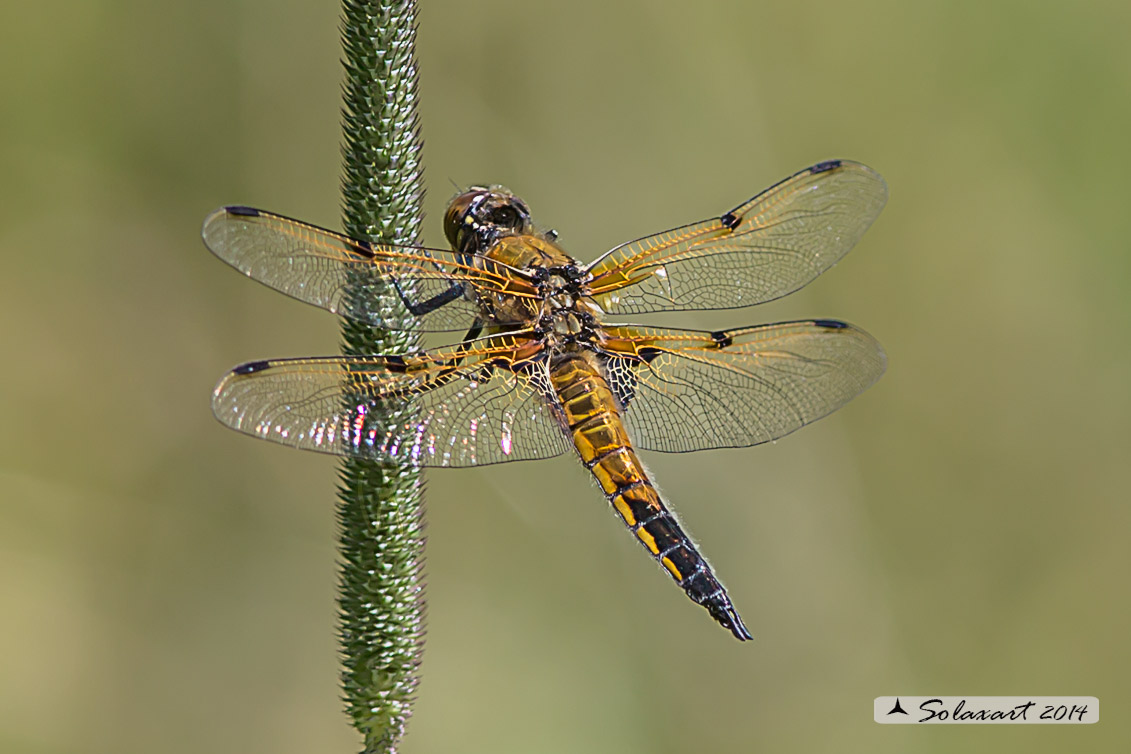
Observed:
{"x":474,"y":331}
{"x":432,"y":304}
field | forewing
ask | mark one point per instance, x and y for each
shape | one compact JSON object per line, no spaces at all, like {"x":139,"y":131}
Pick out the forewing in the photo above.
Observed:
{"x":462,"y":406}
{"x":685,"y":390}
{"x":766,"y":248}
{"x":380,"y":284}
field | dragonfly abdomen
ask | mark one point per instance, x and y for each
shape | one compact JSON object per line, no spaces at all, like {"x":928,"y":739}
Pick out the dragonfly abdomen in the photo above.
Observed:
{"x":593,"y":418}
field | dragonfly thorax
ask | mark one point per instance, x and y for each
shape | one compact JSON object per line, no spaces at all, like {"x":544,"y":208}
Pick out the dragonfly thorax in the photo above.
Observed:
{"x":566,"y":315}
{"x":560,"y":280}
{"x":565,"y":327}
{"x":567,"y":323}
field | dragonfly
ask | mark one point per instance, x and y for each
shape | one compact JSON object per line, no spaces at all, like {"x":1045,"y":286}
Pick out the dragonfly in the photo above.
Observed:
{"x":539,"y":371}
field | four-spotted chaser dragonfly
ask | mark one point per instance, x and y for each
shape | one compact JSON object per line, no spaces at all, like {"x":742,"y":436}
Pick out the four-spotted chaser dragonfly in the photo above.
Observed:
{"x":539,"y":371}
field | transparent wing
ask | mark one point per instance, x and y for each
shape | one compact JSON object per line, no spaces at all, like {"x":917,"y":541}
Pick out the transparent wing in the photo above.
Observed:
{"x":685,"y":390}
{"x":379,"y":284}
{"x":766,"y":248}
{"x":476,"y":404}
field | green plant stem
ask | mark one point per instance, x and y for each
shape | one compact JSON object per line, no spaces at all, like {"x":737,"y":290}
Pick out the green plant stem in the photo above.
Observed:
{"x":380,"y":510}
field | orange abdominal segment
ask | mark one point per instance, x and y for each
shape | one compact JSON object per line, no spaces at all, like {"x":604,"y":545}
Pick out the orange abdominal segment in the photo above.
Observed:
{"x":592,"y":416}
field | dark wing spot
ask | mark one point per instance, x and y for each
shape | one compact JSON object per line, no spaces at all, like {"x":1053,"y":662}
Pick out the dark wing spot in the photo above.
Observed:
{"x":364,"y":248}
{"x":730,"y":220}
{"x":648,"y":353}
{"x":722,"y":338}
{"x":242,"y":211}
{"x":830,"y":324}
{"x":395,"y":364}
{"x":824,"y":167}
{"x":251,"y":367}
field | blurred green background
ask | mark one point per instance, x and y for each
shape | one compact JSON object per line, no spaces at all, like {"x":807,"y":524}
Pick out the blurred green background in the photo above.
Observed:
{"x":168,"y":585}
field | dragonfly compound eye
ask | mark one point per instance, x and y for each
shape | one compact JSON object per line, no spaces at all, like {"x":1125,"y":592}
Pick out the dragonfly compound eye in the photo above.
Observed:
{"x":502,"y":212}
{"x":460,"y":216}
{"x":506,"y":216}
{"x":480,"y":215}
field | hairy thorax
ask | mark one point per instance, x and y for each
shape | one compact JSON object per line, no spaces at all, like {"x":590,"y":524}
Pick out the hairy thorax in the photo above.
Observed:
{"x":561,"y":313}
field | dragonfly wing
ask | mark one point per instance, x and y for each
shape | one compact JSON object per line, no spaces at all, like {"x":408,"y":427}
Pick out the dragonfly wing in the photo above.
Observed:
{"x":380,"y":284}
{"x":474,"y":404}
{"x":686,"y":390}
{"x":766,"y":248}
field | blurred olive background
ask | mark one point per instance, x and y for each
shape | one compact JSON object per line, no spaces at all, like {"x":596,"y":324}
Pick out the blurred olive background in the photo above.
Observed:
{"x":168,"y":585}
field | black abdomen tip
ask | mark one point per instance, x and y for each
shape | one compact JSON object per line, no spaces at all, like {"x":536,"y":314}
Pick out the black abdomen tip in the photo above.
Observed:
{"x":824,"y":167}
{"x":251,"y":367}
{"x":723,"y":611}
{"x":738,"y":628}
{"x":830,"y":324}
{"x":242,"y":211}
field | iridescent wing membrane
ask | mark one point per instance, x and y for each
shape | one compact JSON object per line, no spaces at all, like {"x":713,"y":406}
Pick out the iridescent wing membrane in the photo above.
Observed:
{"x":380,"y":284}
{"x":488,"y":400}
{"x":482,"y":402}
{"x":763,"y":249}
{"x":478,"y":403}
{"x":684,"y":390}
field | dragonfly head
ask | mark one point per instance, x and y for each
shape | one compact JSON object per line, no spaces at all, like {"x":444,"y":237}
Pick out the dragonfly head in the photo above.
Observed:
{"x":482,"y":214}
